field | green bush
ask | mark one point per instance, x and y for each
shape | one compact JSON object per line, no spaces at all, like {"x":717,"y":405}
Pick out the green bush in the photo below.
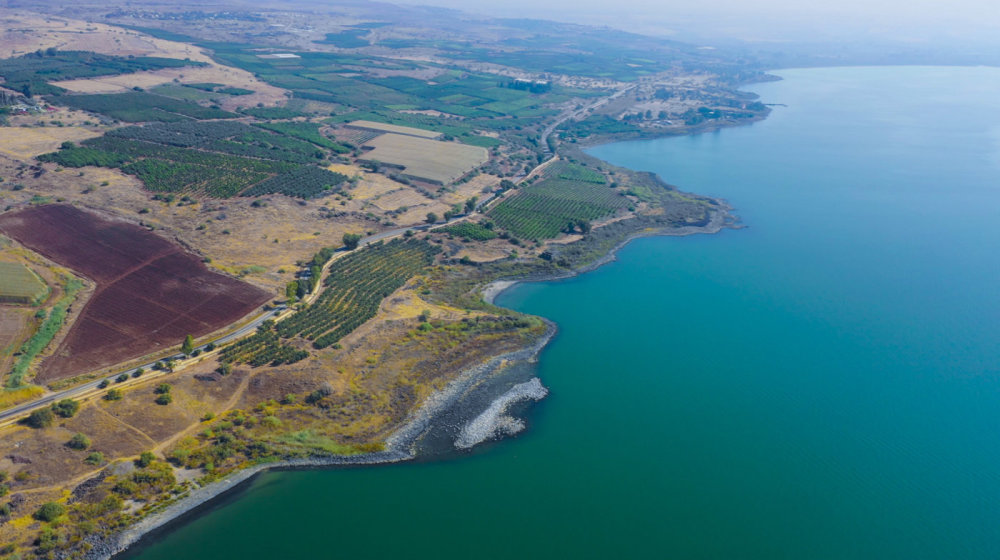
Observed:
{"x":114,"y":395}
{"x":66,"y":408}
{"x":50,"y":511}
{"x":164,"y":399}
{"x":145,"y":459}
{"x":78,"y":441}
{"x":95,"y":458}
{"x":41,"y":418}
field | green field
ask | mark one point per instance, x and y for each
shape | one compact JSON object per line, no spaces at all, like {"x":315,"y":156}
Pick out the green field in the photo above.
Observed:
{"x":18,"y":284}
{"x":469,"y":230}
{"x":353,"y":290}
{"x":548,"y":208}
{"x":220,"y":159}
{"x":139,"y":106}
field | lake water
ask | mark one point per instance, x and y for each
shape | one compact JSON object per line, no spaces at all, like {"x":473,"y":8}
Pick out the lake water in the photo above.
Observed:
{"x":824,"y":384}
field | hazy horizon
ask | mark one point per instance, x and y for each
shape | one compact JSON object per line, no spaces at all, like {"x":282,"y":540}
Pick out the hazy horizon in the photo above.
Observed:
{"x":912,"y":22}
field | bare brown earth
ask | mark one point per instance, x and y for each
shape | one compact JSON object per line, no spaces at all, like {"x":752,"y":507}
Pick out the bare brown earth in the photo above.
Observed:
{"x":301,"y":228}
{"x":150,"y":292}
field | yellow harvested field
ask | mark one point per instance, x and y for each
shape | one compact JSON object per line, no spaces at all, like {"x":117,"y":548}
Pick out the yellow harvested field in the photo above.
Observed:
{"x":346,"y":169}
{"x":395,"y":129}
{"x":399,"y":198}
{"x":428,"y":160}
{"x":473,"y":187}
{"x":26,"y":143}
{"x":373,"y":185}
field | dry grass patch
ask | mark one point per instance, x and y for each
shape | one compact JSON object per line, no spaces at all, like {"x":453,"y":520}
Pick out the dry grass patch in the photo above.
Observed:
{"x":26,"y":143}
{"x":431,"y":160}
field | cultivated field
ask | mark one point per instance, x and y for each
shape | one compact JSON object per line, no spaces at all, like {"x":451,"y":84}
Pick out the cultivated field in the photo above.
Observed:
{"x":150,"y":292}
{"x":395,"y":129}
{"x":429,"y":160}
{"x":18,"y":284}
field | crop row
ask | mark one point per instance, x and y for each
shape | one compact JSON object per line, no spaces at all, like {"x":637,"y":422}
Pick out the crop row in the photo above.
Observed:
{"x":544,"y":210}
{"x":305,"y":181}
{"x":352,"y":293}
{"x":139,"y":106}
{"x":469,"y":230}
{"x":263,"y":347}
{"x":173,"y":158}
{"x":354,"y":289}
{"x":574,"y":172}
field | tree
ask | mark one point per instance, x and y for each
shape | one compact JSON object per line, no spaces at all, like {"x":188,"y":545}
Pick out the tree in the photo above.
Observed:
{"x":292,"y":291}
{"x":78,"y":441}
{"x":66,"y":408}
{"x":164,"y":399}
{"x":50,"y":511}
{"x":162,"y":389}
{"x":188,"y":346}
{"x":351,"y":240}
{"x":145,"y":459}
{"x":41,"y":418}
{"x":432,"y":218}
{"x":114,"y":395}
{"x":470,"y":204}
{"x":584,"y":226}
{"x":121,"y":378}
{"x":95,"y":458}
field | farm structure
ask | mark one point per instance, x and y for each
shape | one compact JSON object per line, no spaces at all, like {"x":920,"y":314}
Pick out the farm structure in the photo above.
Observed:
{"x":150,"y":292}
{"x":395,"y":129}
{"x":436,"y":162}
{"x":18,"y":284}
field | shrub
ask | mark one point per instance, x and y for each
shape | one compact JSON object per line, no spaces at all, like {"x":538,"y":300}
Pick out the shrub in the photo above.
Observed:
{"x":50,"y":511}
{"x":103,"y":384}
{"x":114,"y":395}
{"x":41,"y":418}
{"x":121,"y":378}
{"x":95,"y":458}
{"x":162,"y":389}
{"x":138,"y":372}
{"x":164,"y":399}
{"x":66,"y":408}
{"x":78,"y":441}
{"x":145,"y":459}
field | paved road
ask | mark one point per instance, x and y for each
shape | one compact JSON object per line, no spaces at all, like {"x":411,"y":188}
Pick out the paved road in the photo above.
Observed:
{"x":574,"y":113}
{"x":85,"y":390}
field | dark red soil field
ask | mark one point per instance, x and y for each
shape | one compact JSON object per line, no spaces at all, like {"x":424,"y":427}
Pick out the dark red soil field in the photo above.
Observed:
{"x":150,"y":293}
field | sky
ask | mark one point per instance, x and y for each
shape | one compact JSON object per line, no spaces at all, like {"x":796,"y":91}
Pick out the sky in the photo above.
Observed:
{"x":905,"y":21}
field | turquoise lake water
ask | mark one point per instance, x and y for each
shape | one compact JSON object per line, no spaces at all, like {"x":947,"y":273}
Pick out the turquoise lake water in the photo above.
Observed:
{"x":824,"y":384}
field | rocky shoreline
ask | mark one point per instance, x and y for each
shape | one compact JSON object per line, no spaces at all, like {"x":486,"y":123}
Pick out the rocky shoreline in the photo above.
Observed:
{"x":399,"y":447}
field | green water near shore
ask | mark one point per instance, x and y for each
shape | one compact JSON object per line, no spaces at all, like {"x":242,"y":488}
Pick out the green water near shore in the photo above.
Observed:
{"x":824,"y":384}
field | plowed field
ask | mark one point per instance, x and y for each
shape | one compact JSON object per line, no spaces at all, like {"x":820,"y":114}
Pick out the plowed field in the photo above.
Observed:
{"x":150,"y":292}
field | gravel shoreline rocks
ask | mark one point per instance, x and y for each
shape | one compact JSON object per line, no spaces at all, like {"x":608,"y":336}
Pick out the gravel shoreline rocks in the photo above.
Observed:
{"x":494,"y":421}
{"x":399,"y":447}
